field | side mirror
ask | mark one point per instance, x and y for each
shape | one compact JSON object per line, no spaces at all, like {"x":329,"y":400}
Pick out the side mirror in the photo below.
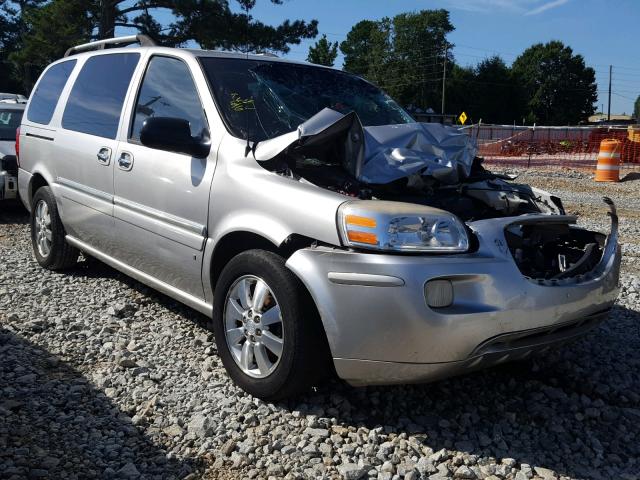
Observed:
{"x":174,"y":135}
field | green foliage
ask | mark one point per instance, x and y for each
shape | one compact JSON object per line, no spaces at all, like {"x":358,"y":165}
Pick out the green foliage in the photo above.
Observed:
{"x":404,"y":54}
{"x":460,"y":95}
{"x":559,"y":88}
{"x":51,"y":34}
{"x":488,"y":91}
{"x":323,"y":52}
{"x":41,"y":31}
{"x":367,"y":48}
{"x":12,"y":30}
{"x":636,"y":109}
{"x":210,"y":23}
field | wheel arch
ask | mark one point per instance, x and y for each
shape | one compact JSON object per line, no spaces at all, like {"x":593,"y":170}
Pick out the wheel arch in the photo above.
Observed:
{"x":236,"y":242}
{"x":36,"y":182}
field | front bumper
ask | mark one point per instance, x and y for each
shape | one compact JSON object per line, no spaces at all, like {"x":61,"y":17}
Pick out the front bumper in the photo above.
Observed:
{"x":381,"y":331}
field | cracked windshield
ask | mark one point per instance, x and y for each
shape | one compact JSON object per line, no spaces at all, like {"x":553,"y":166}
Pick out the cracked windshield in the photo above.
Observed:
{"x":269,"y":98}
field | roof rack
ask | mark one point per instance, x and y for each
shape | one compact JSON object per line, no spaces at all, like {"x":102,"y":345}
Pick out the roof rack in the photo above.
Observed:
{"x":143,"y":40}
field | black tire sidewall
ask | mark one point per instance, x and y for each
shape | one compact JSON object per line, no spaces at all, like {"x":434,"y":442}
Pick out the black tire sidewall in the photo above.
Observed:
{"x":285,"y":286}
{"x":58,"y":243}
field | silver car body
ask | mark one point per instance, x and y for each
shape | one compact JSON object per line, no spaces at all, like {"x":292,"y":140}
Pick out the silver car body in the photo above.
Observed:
{"x":164,"y":220}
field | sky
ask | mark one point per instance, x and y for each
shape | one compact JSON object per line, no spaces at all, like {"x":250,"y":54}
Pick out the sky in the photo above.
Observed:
{"x":604,"y":32}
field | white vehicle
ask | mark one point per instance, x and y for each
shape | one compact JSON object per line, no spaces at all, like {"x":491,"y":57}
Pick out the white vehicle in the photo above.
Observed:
{"x":10,"y":118}
{"x":13,"y":98}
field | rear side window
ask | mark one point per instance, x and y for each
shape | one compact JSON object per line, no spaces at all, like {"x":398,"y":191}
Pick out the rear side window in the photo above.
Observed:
{"x":97,"y":96}
{"x":45,"y":98}
{"x":168,"y":91}
{"x":9,"y":121}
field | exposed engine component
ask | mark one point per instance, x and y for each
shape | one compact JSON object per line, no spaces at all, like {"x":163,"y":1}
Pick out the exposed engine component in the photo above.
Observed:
{"x":482,"y":195}
{"x":554,"y":251}
{"x":427,"y":164}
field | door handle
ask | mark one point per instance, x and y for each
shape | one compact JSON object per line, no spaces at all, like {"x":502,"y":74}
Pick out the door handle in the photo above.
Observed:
{"x":125,"y":161}
{"x":104,"y":155}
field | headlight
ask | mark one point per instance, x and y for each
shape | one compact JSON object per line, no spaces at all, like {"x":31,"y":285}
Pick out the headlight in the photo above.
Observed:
{"x":401,"y":227}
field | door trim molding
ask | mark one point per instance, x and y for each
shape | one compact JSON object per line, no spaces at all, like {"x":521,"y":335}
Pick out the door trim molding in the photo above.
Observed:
{"x":191,"y":301}
{"x":41,"y":137}
{"x":189,"y":226}
{"x":78,"y":187}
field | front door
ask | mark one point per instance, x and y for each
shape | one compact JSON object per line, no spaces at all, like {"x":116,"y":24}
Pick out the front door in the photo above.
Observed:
{"x":161,"y":198}
{"x":86,"y":144}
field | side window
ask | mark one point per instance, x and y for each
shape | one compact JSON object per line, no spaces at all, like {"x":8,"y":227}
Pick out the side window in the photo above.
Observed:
{"x":96,"y":99}
{"x":168,"y":91}
{"x":9,"y":121}
{"x":45,"y":98}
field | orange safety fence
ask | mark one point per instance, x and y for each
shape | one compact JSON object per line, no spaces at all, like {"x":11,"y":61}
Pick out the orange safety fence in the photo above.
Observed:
{"x":542,"y":146}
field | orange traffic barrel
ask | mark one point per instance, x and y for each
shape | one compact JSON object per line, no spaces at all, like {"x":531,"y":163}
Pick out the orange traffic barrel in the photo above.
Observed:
{"x":608,"y":169}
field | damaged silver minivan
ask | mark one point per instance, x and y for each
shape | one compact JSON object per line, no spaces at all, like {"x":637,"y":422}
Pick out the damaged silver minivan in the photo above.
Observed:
{"x":305,"y":212}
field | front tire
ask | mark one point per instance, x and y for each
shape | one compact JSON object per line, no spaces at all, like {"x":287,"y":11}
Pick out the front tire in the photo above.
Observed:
{"x":48,"y":235}
{"x":268,"y":336}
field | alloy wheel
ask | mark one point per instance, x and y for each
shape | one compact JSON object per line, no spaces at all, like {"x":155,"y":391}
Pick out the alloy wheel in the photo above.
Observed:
{"x":253,"y":326}
{"x":43,"y":234}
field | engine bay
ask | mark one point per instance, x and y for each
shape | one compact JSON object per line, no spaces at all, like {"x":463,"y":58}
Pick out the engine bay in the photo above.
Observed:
{"x":435,"y":166}
{"x":480,"y":196}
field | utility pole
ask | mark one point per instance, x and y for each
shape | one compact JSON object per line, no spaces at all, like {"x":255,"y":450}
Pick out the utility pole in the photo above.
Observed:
{"x":444,"y":79}
{"x":609,"y":107}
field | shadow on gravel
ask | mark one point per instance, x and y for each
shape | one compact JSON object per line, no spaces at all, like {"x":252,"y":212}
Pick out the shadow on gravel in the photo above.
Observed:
{"x":90,"y":267}
{"x":55,"y":424}
{"x":13,"y":212}
{"x":575,"y":411}
{"x":630,"y":176}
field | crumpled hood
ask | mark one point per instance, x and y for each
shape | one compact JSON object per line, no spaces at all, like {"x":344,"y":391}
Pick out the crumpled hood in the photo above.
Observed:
{"x":381,"y":154}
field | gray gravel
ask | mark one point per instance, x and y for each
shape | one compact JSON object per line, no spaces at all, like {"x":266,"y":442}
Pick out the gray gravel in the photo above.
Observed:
{"x":101,"y":377}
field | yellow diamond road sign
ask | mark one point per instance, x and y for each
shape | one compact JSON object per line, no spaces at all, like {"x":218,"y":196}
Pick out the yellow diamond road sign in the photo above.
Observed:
{"x":462,"y":118}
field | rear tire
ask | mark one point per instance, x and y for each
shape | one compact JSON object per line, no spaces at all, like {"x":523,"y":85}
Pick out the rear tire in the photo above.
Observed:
{"x":48,"y":235}
{"x":268,"y":355}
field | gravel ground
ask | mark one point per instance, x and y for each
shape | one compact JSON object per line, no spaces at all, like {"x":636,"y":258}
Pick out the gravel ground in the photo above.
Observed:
{"x":101,"y":377}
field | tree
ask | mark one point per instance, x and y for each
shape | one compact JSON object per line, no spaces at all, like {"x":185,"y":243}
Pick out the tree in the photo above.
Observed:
{"x":559,"y":87}
{"x":461,"y":96}
{"x":323,"y":52}
{"x":404,"y":54}
{"x":636,"y":109}
{"x":210,"y":23}
{"x":366,"y":47}
{"x":45,"y":24}
{"x":420,"y":48}
{"x":497,"y":93}
{"x":12,"y":31}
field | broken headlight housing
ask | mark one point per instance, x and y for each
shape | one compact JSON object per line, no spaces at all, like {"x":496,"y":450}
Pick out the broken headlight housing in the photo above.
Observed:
{"x":400,"y":227}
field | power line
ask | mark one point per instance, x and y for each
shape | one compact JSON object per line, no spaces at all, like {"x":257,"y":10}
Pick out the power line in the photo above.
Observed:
{"x":623,"y":96}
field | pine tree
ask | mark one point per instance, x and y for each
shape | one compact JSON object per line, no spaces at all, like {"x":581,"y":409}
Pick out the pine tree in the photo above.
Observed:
{"x":323,"y":52}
